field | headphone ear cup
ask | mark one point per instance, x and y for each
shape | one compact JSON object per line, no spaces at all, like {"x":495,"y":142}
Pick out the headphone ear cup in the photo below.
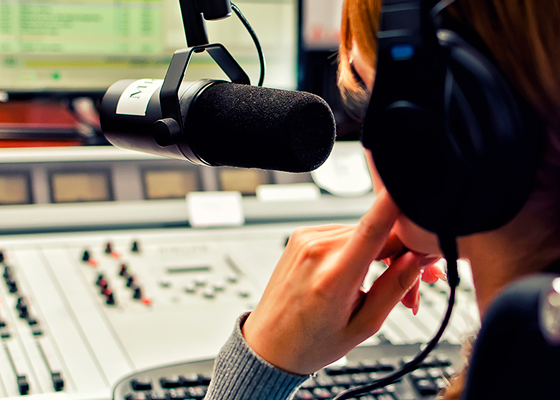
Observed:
{"x":467,"y":169}
{"x":494,"y":135}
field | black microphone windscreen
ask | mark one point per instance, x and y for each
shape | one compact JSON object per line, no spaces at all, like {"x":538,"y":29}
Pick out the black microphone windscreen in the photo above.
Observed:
{"x":254,"y":127}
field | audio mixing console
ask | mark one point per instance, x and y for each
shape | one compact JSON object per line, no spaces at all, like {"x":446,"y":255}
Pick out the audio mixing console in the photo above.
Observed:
{"x":111,"y":290}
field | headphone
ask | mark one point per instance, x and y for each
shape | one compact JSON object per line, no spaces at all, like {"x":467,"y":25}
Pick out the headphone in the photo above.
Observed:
{"x":455,"y":144}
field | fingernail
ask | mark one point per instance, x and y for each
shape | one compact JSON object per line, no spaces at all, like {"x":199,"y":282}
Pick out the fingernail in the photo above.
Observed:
{"x":427,"y":261}
{"x":441,"y":275}
{"x":416,"y":304}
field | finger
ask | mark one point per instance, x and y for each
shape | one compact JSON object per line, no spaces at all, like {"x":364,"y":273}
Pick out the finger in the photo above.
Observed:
{"x":432,"y":274}
{"x":307,"y":235}
{"x":370,"y":235}
{"x":385,"y":293}
{"x":409,"y":299}
{"x":393,"y":247}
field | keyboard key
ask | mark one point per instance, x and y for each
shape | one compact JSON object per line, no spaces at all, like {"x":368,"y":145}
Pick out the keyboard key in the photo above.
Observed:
{"x":141,"y":384}
{"x":425,"y":387}
{"x":171,"y":382}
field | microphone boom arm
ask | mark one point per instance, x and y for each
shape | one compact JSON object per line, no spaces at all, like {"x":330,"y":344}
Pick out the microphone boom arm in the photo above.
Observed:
{"x":168,"y":130}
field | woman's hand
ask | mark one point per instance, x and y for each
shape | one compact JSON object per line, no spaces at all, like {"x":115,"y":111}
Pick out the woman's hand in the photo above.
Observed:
{"x":314,"y":309}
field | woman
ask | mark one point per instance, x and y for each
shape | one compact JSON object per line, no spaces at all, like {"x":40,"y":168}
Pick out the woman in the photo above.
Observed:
{"x":314,"y":310}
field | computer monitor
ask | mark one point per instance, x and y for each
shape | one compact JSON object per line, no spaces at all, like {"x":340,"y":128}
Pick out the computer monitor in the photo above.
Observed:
{"x":83,"y":46}
{"x":318,"y":42}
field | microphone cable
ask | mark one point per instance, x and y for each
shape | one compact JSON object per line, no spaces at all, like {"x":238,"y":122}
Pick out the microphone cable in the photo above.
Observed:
{"x":251,"y":31}
{"x":449,"y":248}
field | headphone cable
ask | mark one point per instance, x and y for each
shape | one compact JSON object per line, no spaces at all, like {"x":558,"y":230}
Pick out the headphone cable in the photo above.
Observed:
{"x":449,"y":248}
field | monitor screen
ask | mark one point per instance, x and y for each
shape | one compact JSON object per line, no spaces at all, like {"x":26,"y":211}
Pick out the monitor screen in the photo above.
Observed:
{"x":320,"y":21}
{"x":319,"y":39}
{"x":86,"y":45}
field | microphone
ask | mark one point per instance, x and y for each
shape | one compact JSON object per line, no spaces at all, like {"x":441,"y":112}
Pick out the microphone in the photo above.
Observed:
{"x":222,"y":124}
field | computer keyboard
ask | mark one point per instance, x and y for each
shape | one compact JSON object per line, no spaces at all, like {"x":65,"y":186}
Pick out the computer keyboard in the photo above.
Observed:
{"x":365,"y":364}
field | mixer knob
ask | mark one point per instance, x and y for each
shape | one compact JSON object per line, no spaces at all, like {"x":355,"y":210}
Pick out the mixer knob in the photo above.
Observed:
{"x":58,"y":382}
{"x":102,"y":282}
{"x":124,"y":270}
{"x":7,"y":273}
{"x":22,"y":307}
{"x":137,"y":293}
{"x":108,"y":248}
{"x":1,"y":256}
{"x":23,"y":385}
{"x":12,"y":285}
{"x":135,"y":247}
{"x":110,"y":298}
{"x":130,"y":281}
{"x":86,"y":256}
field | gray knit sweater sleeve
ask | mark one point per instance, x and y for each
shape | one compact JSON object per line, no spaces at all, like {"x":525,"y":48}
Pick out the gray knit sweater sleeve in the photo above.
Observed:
{"x":241,"y":374}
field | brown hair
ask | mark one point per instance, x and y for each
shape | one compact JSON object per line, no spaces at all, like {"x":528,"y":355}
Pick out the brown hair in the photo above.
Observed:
{"x":524,"y":36}
{"x":360,"y":21}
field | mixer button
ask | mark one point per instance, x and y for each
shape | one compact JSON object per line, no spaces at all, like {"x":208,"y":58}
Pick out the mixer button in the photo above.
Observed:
{"x":171,"y":382}
{"x":200,"y":281}
{"x":31,"y":321}
{"x":209,"y":293}
{"x":232,"y":278}
{"x":36,"y":330}
{"x":190,"y":288}
{"x":5,"y":334}
{"x":164,"y":283}
{"x":8,"y":274}
{"x":141,"y":383}
{"x":2,"y":323}
{"x":244,"y":293}
{"x":219,"y":286}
